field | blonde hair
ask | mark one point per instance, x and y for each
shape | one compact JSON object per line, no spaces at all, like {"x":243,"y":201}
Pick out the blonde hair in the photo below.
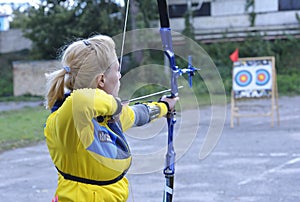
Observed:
{"x":83,"y":61}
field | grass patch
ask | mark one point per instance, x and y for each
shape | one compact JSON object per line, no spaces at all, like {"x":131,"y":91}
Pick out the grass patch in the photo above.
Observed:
{"x":22,"y":127}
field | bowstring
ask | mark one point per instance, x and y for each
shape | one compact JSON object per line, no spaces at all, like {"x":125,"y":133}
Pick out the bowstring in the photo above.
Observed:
{"x":124,"y":34}
{"x":121,"y":56}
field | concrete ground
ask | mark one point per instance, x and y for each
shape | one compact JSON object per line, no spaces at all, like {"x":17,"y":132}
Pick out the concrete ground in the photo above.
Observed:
{"x":252,"y":162}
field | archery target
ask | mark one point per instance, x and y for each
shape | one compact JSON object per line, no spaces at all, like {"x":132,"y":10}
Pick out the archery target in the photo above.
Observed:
{"x":243,"y":78}
{"x":262,"y":77}
{"x":250,"y":78}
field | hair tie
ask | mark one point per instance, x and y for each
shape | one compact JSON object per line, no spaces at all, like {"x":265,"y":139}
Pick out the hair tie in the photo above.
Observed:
{"x":68,"y":70}
{"x":86,"y":42}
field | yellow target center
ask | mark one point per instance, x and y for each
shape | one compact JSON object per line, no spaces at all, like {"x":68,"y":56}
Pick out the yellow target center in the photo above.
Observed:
{"x":243,"y":78}
{"x":261,"y":77}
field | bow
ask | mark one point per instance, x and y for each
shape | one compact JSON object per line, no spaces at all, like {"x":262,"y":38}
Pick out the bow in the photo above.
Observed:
{"x":166,"y":37}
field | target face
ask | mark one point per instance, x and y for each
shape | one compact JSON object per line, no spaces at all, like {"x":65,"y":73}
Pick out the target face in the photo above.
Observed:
{"x":262,"y":77}
{"x":252,"y":78}
{"x":249,"y":78}
{"x":243,"y":78}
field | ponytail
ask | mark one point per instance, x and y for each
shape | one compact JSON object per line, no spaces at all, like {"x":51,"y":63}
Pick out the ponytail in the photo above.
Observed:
{"x":82,"y":60}
{"x":54,"y":87}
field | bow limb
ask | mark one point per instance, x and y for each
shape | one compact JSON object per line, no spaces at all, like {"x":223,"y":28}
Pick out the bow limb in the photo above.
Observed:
{"x":166,"y":37}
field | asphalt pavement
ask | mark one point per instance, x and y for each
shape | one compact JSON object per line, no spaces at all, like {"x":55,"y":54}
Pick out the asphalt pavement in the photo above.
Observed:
{"x":252,"y":162}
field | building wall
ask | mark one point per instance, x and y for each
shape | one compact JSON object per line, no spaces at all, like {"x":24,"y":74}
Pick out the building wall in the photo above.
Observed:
{"x":29,"y":76}
{"x":277,"y":18}
{"x":12,"y":40}
{"x":185,"y":1}
{"x":228,"y":7}
{"x":231,"y":18}
{"x":263,"y":6}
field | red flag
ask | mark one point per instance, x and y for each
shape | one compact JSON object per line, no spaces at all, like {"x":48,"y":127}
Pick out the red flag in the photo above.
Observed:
{"x":234,"y":57}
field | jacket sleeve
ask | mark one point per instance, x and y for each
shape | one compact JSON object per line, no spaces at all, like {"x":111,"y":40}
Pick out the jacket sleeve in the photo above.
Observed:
{"x":91,"y":103}
{"x":141,"y":114}
{"x":88,"y":104}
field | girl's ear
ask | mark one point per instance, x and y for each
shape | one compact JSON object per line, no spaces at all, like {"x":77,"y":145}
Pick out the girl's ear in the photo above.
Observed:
{"x":100,"y":81}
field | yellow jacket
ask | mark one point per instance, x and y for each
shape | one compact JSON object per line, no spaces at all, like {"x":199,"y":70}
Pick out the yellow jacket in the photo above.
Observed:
{"x":83,"y":148}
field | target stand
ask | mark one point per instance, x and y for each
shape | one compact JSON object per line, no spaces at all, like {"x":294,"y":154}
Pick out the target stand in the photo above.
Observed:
{"x":254,"y":89}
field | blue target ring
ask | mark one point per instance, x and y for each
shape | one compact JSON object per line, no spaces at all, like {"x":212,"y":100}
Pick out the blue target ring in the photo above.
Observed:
{"x":243,"y":78}
{"x":262,"y":77}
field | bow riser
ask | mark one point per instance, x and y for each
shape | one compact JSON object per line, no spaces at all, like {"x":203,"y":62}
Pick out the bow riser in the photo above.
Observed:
{"x":166,"y":38}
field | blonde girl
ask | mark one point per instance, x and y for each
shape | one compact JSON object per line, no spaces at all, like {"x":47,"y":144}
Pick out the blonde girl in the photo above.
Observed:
{"x":84,"y":132}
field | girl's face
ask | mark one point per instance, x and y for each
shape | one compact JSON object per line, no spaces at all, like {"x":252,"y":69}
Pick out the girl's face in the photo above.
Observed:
{"x":111,"y":79}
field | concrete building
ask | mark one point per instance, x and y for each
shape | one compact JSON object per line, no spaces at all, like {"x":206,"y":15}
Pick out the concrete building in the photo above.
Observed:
{"x":12,"y":40}
{"x":216,"y":19}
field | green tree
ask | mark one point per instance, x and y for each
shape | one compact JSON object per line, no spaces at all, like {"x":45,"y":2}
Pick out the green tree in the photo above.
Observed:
{"x":148,"y":12}
{"x":189,"y":28}
{"x":141,"y":15}
{"x":57,"y":22}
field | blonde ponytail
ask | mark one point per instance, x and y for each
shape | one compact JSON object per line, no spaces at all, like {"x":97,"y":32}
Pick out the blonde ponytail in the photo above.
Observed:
{"x":54,"y":87}
{"x":84,"y":59}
